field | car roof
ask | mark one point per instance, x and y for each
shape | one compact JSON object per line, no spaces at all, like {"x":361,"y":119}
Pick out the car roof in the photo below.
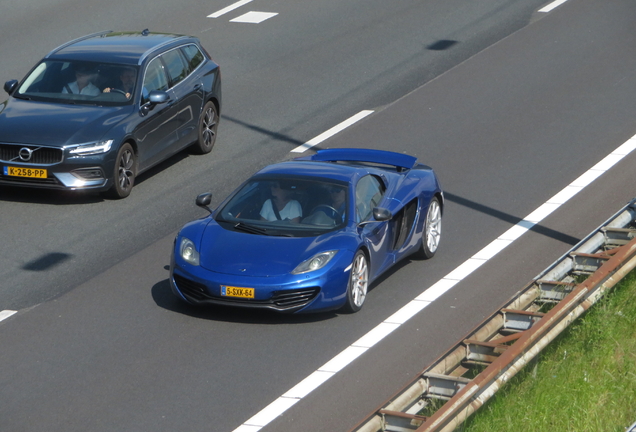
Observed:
{"x":117,"y":47}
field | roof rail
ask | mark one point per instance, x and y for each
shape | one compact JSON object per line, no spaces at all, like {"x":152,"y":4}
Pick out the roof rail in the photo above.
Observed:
{"x":364,"y":155}
{"x":154,"y":49}
{"x":102,"y":33}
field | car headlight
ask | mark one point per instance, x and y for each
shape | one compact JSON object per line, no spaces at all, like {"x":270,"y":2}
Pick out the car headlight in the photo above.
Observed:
{"x":188,"y":252}
{"x":316,"y":262}
{"x":92,"y":148}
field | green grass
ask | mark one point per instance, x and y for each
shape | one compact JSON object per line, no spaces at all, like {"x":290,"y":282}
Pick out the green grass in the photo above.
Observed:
{"x":585,"y":380}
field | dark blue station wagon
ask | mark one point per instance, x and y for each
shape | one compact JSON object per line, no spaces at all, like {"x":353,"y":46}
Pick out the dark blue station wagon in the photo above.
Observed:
{"x":99,"y":110}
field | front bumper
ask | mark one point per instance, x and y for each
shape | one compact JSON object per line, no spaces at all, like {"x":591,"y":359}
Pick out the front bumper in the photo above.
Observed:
{"x":62,"y":171}
{"x":311,"y":292}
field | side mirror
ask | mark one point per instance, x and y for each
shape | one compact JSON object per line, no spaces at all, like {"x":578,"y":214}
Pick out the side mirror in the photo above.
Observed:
{"x":10,"y":86}
{"x":381,"y":214}
{"x":204,"y":201}
{"x":155,"y":97}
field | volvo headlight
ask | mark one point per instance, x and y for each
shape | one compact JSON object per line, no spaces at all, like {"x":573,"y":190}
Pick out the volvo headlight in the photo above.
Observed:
{"x":188,"y":252}
{"x":92,"y":148}
{"x":316,"y":262}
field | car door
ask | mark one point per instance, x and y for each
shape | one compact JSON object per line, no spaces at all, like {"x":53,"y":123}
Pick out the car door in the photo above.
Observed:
{"x":369,"y":192}
{"x":157,"y":131}
{"x":188,"y":89}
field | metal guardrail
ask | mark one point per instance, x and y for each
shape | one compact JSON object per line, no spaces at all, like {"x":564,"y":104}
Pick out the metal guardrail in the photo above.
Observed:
{"x":470,"y":373}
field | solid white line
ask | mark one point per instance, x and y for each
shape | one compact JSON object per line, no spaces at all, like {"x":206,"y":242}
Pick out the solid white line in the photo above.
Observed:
{"x":552,"y":5}
{"x":6,"y":314}
{"x":374,"y":336}
{"x":331,"y":132}
{"x":340,"y":361}
{"x":230,"y":8}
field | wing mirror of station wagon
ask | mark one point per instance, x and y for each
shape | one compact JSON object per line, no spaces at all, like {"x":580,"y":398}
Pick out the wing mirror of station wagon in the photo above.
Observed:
{"x":155,"y":97}
{"x":10,"y":85}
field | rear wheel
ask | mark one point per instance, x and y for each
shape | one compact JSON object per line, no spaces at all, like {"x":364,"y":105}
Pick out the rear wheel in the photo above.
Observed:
{"x":124,"y":173}
{"x":208,"y":125}
{"x":432,"y":232}
{"x":358,"y":283}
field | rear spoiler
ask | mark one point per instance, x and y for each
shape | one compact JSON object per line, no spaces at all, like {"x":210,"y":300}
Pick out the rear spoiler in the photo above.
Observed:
{"x":384,"y":157}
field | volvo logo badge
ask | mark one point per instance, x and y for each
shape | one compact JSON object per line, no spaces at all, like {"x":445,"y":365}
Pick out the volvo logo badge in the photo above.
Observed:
{"x":25,"y":154}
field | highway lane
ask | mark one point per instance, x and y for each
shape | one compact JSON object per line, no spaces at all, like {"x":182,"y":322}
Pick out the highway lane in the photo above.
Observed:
{"x":118,"y":353}
{"x":285,"y":80}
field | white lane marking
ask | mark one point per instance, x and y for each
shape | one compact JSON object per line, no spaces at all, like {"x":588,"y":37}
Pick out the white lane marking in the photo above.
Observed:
{"x":552,"y":5}
{"x":356,"y":349}
{"x":331,"y":132}
{"x":6,"y":314}
{"x":254,"y":17}
{"x":230,"y":8}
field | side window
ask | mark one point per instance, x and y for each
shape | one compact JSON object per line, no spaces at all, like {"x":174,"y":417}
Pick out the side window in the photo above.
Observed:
{"x":369,"y":193}
{"x":177,"y":69}
{"x":193,"y":55}
{"x":155,"y":79}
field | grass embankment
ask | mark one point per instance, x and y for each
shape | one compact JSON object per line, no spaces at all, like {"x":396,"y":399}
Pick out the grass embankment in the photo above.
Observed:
{"x":585,"y":380}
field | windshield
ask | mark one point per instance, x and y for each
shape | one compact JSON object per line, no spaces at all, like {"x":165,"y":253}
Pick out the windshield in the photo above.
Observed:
{"x":76,"y":82}
{"x":287,"y":206}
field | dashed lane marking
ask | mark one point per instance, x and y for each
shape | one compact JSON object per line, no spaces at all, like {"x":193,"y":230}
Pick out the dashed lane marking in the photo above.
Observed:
{"x":552,"y":5}
{"x":230,"y":8}
{"x":254,"y":17}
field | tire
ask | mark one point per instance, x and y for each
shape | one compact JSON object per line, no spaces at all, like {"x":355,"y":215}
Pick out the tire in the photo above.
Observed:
{"x":124,"y":173}
{"x":432,"y":230}
{"x":358,"y":283}
{"x":208,"y":125}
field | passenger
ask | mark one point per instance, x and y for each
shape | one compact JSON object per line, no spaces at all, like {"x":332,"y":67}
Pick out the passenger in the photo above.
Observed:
{"x":82,"y":84}
{"x":127,"y":78}
{"x":281,"y":206}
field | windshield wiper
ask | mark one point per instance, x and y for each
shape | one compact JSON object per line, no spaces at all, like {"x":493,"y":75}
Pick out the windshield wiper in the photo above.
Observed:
{"x":250,"y":228}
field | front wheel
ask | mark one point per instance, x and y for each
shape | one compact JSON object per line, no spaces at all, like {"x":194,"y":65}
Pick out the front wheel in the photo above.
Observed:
{"x":432,"y":231}
{"x":208,"y":125}
{"x":358,"y":283}
{"x":124,"y":173}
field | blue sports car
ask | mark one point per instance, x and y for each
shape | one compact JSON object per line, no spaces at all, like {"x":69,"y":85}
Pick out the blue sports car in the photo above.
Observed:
{"x":309,"y":234}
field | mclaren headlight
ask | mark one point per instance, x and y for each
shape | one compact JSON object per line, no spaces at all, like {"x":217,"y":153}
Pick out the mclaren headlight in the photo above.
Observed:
{"x":91,"y":148}
{"x":188,"y":251}
{"x":316,"y":262}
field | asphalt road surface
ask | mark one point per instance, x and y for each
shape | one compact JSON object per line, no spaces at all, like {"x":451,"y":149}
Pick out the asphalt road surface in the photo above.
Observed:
{"x":509,"y":105}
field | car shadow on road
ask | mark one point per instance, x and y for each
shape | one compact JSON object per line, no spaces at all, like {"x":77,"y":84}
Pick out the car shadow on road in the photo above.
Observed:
{"x":164,"y":298}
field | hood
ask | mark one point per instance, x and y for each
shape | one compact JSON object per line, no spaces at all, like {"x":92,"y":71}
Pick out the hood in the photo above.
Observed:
{"x":44,"y":123}
{"x":245,"y":254}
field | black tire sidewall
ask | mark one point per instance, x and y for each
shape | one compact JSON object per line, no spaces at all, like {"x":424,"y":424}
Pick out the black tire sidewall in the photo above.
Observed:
{"x":115,"y":191}
{"x":350,"y":306}
{"x":200,"y":147}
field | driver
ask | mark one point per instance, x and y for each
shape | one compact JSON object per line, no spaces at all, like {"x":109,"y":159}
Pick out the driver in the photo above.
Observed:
{"x":337,"y":196}
{"x":127,"y":78}
{"x":281,"y":206}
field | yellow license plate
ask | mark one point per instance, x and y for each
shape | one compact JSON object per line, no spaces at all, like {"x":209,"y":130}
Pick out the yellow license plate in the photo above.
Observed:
{"x":25,"y":172}
{"x":230,"y":291}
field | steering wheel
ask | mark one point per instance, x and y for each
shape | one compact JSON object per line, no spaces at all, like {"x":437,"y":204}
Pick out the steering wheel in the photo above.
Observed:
{"x":330,"y":211}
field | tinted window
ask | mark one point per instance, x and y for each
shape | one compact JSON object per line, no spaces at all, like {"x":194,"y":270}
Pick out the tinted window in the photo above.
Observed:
{"x":176,"y":66}
{"x":369,"y":192}
{"x":155,"y":78}
{"x":76,"y":82}
{"x":193,"y":55}
{"x":287,"y":206}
